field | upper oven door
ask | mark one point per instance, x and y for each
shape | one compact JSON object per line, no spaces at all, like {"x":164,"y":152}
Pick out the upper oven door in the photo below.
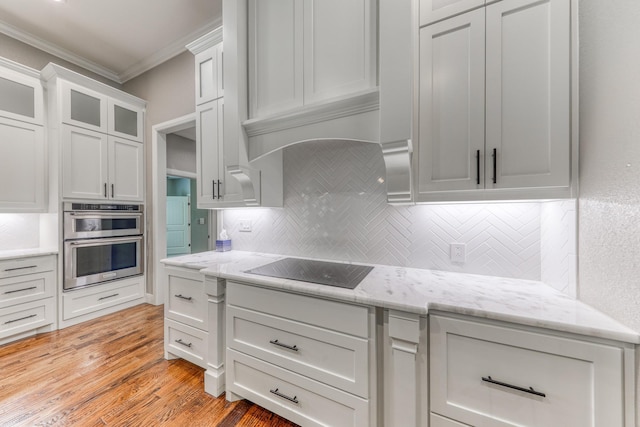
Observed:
{"x":87,"y":225}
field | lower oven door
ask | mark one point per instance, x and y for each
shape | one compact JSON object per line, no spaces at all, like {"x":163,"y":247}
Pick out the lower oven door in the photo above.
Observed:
{"x":92,"y":261}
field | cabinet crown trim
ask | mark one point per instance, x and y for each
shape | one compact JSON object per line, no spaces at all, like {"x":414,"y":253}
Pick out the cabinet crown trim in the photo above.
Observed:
{"x":206,"y":41}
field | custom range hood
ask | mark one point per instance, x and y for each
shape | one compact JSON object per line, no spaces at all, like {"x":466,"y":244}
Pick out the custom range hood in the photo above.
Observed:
{"x":288,"y":87}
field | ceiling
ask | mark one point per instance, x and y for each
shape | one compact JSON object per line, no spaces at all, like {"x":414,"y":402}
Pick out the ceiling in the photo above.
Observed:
{"x":117,"y":39}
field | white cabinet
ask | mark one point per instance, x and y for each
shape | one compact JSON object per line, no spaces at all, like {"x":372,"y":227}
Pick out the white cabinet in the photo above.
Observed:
{"x":493,"y":374}
{"x":21,"y":95}
{"x":216,"y":186}
{"x":27,"y":297}
{"x":209,"y":74}
{"x":307,"y":359}
{"x":495,"y":116}
{"x":22,"y":167}
{"x":125,"y":120}
{"x":98,"y":166}
{"x":436,"y":10}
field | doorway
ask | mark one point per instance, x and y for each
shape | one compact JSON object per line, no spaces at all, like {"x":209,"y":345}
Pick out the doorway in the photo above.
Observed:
{"x":188,"y":229}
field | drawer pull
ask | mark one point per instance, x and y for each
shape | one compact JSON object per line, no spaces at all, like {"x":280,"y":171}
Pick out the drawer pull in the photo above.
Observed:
{"x":288,"y":347}
{"x":107,"y":297}
{"x":293,"y":399}
{"x":20,"y":290}
{"x":183,"y":297}
{"x":22,"y":318}
{"x":186,"y":344}
{"x":20,"y":268}
{"x":529,"y":390}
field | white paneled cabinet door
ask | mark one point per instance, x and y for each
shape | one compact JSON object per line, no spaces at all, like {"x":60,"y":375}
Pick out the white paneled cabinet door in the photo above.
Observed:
{"x":22,"y":166}
{"x":20,"y":97}
{"x":230,"y":189}
{"x":435,"y":10}
{"x":339,"y":48}
{"x":125,"y":120}
{"x":126,"y":163}
{"x":528,"y":94}
{"x":84,"y":107}
{"x":452,"y":104}
{"x":208,"y":163}
{"x":275,"y":56}
{"x":209,"y":85}
{"x":84,"y":163}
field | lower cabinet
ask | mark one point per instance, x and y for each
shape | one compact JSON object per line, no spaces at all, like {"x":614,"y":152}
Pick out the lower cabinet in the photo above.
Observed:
{"x":27,"y":297}
{"x":310,"y":360}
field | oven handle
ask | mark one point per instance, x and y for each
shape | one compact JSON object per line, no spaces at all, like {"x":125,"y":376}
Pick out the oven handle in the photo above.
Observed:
{"x":104,"y":215}
{"x":100,"y":242}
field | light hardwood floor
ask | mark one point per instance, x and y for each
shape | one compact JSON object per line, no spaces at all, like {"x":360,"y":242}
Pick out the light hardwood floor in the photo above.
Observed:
{"x":111,"y":372}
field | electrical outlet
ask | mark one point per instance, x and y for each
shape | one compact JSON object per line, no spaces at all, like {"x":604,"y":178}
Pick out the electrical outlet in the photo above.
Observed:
{"x":245,"y":225}
{"x":458,"y":252}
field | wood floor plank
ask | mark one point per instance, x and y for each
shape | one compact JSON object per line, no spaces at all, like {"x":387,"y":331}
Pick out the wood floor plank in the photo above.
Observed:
{"x":111,"y":372}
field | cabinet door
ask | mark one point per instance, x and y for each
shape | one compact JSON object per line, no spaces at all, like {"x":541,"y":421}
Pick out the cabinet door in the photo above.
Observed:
{"x":230,"y":188}
{"x":20,"y":97}
{"x":275,"y":56}
{"x":339,"y":48}
{"x":126,"y":170}
{"x":528,"y":93}
{"x":125,"y":120}
{"x":22,"y":167}
{"x":207,"y":153}
{"x":452,"y":104}
{"x":207,"y":75}
{"x":84,"y":163}
{"x":435,"y":10}
{"x":83,"y":107}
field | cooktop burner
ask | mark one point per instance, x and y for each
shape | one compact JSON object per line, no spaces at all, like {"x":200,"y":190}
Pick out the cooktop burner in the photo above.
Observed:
{"x":325,"y":273}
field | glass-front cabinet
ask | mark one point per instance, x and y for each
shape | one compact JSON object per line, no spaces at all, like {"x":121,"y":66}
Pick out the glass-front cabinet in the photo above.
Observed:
{"x":20,"y":97}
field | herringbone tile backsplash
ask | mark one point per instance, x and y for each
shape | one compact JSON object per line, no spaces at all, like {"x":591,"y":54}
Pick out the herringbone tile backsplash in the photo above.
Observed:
{"x":335,"y":208}
{"x":19,"y":231}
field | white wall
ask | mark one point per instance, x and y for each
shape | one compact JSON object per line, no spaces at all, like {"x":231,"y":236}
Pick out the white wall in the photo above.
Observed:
{"x":609,"y":208}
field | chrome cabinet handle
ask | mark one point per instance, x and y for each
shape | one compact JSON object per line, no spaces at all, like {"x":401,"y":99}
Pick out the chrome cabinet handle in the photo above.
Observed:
{"x":20,"y":268}
{"x":288,"y":347}
{"x":20,"y":290}
{"x":219,"y":193}
{"x":478,"y":167}
{"x":112,"y":191}
{"x":105,"y":190}
{"x":529,"y":390}
{"x":293,"y":399}
{"x":179,"y":341}
{"x":107,"y":297}
{"x":495,"y":167}
{"x":183,"y":297}
{"x":213,"y":190}
{"x":17,"y":320}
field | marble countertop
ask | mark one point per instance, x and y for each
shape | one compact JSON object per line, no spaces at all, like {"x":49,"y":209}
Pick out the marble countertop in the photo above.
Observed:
{"x":31,"y":252}
{"x":420,"y":291}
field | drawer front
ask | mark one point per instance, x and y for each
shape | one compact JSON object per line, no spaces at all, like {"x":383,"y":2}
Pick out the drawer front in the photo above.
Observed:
{"x":21,"y":266}
{"x":333,"y":358}
{"x":490,"y":375}
{"x":31,"y":287}
{"x":346,"y":318}
{"x":186,"y":342}
{"x":437,"y":421}
{"x":84,"y":301}
{"x":25,"y":317}
{"x":297,"y":398}
{"x":186,"y":299}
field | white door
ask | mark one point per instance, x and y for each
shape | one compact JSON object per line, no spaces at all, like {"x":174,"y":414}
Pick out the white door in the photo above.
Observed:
{"x":178,"y":225}
{"x":126,"y":163}
{"x":452,"y":104}
{"x":528,"y":93}
{"x":84,"y":163}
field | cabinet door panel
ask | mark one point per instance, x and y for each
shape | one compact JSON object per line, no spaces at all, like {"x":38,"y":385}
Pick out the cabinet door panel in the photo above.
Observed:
{"x":206,"y":76}
{"x":84,"y":107}
{"x":125,"y":120}
{"x":275,"y":56}
{"x":20,"y":97}
{"x":339,"y":41}
{"x":451,"y":103}
{"x":126,"y":160}
{"x":528,"y":93}
{"x":207,"y":146}
{"x":84,"y":163}
{"x":435,"y":10}
{"x":22,"y":166}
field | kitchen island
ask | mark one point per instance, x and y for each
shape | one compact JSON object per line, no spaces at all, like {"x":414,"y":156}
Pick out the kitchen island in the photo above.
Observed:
{"x":417,"y":317}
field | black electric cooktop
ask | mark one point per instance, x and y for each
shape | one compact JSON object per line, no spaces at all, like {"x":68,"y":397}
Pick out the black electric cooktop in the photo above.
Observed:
{"x":325,"y":273}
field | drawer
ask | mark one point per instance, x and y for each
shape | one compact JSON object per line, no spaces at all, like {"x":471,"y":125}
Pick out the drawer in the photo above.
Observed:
{"x":297,"y":398}
{"x":346,"y":318}
{"x":437,"y":421}
{"x":30,"y":287}
{"x":475,"y":367}
{"x":25,"y":317}
{"x":186,"y":299}
{"x":436,"y":10}
{"x":333,"y":358}
{"x":21,"y":266}
{"x":186,"y":342}
{"x":89,"y":300}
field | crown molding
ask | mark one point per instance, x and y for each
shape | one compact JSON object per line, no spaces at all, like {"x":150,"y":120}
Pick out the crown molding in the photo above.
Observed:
{"x":12,"y":65}
{"x":210,"y":39}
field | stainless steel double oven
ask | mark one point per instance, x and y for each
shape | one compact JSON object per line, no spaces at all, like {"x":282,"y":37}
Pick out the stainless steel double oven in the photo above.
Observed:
{"x":102,"y":242}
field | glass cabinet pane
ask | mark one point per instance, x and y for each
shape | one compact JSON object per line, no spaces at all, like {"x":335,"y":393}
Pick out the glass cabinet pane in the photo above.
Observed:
{"x":85,"y":108}
{"x":17,"y":98}
{"x":125,"y":121}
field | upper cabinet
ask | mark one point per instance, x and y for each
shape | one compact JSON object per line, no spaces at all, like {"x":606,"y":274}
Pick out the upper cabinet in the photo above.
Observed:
{"x":436,"y":10}
{"x":209,"y":74}
{"x":23,"y":167}
{"x":495,"y":103}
